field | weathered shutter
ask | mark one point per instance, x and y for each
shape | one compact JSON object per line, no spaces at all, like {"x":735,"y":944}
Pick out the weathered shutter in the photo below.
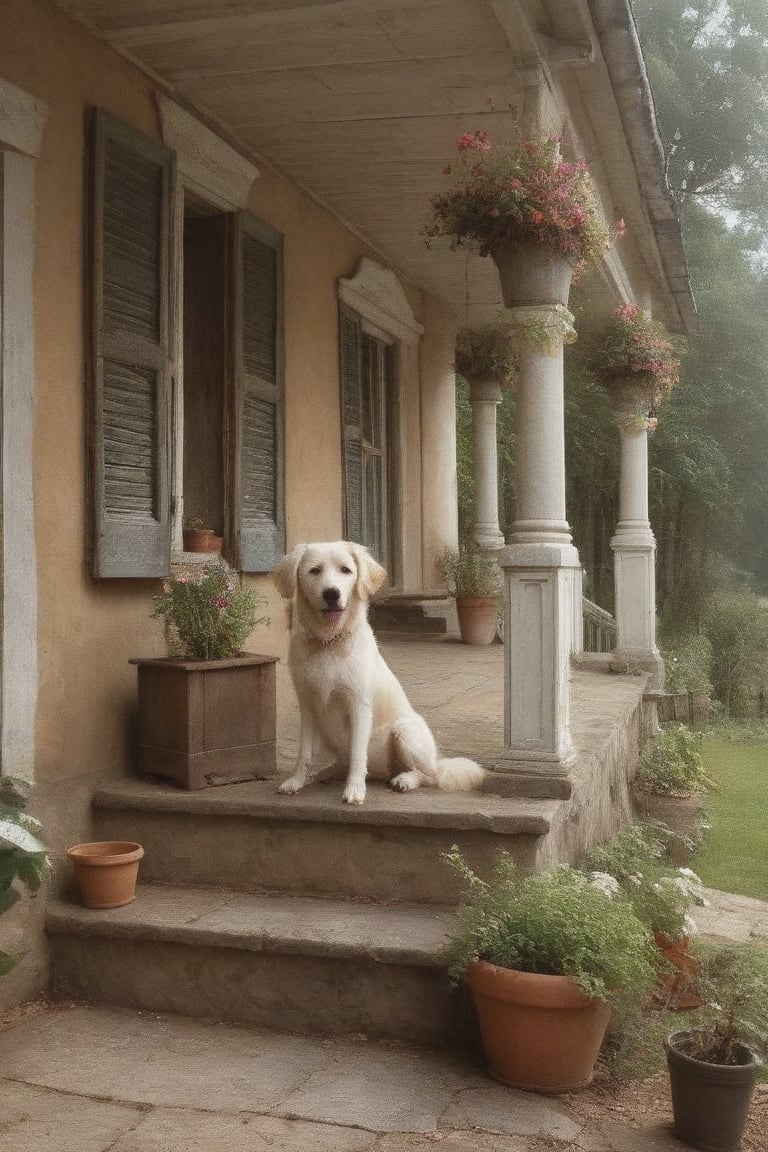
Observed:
{"x":350,"y":358}
{"x":131,"y":185}
{"x":257,"y":505}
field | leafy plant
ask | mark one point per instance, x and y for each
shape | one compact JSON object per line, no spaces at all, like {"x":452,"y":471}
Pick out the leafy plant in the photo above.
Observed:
{"x":520,"y":191}
{"x":208,"y":616}
{"x":661,"y":897}
{"x":671,"y":764}
{"x":24,"y":860}
{"x":487,"y":354}
{"x":554,"y":923}
{"x":687,"y":665}
{"x":733,"y":982}
{"x":469,"y":571}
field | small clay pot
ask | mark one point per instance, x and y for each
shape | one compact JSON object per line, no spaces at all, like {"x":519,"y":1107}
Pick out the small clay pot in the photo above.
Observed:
{"x":215,"y":543}
{"x":197,"y":540}
{"x":106,"y":871}
{"x":477,"y":619}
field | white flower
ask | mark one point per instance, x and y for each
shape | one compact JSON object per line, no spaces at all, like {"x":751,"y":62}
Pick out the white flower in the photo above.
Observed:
{"x":636,"y":878}
{"x":606,"y":883}
{"x":690,"y":874}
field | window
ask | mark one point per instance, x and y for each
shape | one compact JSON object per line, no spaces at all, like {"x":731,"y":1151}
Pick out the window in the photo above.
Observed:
{"x":230,"y":379}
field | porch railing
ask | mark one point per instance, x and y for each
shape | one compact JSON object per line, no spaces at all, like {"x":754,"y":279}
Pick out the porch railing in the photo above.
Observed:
{"x":599,"y":628}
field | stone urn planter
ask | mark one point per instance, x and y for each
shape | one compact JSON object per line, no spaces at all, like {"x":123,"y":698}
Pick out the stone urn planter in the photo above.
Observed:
{"x":106,"y":871}
{"x":540,"y":1033}
{"x":710,"y":1102}
{"x":207,"y":722}
{"x":683,"y":816}
{"x":531,"y":274}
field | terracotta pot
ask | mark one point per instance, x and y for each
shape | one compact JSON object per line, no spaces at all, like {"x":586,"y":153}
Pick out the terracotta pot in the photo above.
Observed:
{"x":215,"y":543}
{"x":197,"y":541}
{"x":710,"y":1102}
{"x":540,"y":1033}
{"x":530,"y":274}
{"x":677,"y":990}
{"x":106,"y":871}
{"x":478,"y":618}
{"x":681,"y":814}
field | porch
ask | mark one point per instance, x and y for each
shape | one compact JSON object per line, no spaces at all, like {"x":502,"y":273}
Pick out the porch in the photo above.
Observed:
{"x":307,"y":914}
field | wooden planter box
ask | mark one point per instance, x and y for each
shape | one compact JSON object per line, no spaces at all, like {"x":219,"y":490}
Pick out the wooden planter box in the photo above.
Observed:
{"x":207,"y":722}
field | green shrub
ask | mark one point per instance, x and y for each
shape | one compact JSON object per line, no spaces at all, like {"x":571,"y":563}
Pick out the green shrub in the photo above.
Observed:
{"x":209,"y":616}
{"x":687,"y":665}
{"x":554,"y":923}
{"x":737,"y":628}
{"x":471,"y":572}
{"x":671,"y":764}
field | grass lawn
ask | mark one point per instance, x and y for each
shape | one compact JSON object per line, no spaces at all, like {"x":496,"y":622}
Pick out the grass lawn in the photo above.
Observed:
{"x":734,"y":855}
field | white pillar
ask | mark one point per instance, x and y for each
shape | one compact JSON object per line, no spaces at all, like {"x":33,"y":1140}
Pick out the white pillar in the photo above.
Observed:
{"x":634,"y":547}
{"x":485,"y":396}
{"x":541,"y":566}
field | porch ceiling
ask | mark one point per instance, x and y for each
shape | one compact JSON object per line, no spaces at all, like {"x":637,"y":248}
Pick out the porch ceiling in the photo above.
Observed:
{"x":361,"y":102}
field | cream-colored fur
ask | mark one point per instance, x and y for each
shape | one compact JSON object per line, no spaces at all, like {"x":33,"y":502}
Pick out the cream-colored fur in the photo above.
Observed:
{"x":352,"y":706}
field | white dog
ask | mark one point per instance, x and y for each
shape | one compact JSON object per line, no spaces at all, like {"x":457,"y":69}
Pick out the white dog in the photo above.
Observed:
{"x":351,"y":704}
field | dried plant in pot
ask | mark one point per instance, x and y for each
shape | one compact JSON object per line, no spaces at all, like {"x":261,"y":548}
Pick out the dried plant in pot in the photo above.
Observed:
{"x":473,"y":577}
{"x":207,"y":712}
{"x":546,"y":955}
{"x":715,"y":1064}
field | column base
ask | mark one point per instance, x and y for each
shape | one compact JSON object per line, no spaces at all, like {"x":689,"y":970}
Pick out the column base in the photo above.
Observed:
{"x":525,"y":784}
{"x":489,"y":539}
{"x":628,"y":662}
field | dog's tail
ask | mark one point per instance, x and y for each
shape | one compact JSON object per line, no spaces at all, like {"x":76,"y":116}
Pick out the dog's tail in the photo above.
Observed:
{"x":457,"y":774}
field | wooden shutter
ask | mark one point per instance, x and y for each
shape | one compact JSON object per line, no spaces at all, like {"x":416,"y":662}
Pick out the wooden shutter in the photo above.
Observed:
{"x":350,"y":358}
{"x":256,"y":512}
{"x":131,"y":187}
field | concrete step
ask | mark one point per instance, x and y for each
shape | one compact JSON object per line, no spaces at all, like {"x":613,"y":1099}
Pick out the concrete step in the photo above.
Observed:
{"x":293,"y":963}
{"x":247,"y":837}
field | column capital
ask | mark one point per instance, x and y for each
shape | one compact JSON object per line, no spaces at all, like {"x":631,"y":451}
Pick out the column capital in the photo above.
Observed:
{"x":543,"y":328}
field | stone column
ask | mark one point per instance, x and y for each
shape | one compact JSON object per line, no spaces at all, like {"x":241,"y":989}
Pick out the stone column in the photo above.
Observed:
{"x":634,"y":545}
{"x":485,"y":396}
{"x":541,"y":570}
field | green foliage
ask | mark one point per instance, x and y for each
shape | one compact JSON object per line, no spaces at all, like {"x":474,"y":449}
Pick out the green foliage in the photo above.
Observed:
{"x":469,"y":571}
{"x":737,"y":628}
{"x":671,"y":764}
{"x":488,"y":354}
{"x":687,"y":665}
{"x":207,"y":617}
{"x":24,"y":861}
{"x":554,"y":923}
{"x":635,"y":346}
{"x":661,"y":897}
{"x":734,"y":985}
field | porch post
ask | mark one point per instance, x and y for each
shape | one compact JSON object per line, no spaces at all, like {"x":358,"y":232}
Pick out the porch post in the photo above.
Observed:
{"x":634,"y":549}
{"x":485,"y":396}
{"x":541,"y":566}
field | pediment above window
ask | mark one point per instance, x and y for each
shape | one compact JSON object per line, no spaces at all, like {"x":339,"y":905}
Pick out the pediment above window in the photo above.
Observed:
{"x":207,"y":165}
{"x":374,"y":292}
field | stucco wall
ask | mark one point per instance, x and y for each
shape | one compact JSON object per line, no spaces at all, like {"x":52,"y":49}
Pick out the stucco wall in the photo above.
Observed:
{"x":88,"y":630}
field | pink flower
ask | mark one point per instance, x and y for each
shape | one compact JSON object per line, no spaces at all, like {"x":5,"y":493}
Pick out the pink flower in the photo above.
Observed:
{"x":182,"y":580}
{"x":220,"y":601}
{"x":537,"y":216}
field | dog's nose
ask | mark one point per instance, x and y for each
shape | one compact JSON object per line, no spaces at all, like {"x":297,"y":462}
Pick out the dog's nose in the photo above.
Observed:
{"x":331,"y":595}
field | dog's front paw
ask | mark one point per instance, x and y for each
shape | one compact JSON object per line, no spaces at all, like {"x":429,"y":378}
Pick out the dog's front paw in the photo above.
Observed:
{"x":291,"y":785}
{"x":405,"y":782}
{"x":354,"y":794}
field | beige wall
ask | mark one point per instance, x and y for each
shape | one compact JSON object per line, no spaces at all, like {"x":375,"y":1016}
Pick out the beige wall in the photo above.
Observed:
{"x":88,"y":630}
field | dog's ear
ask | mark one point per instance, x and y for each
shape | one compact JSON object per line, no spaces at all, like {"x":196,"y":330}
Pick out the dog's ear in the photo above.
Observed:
{"x":370,"y":574}
{"x":285,"y":574}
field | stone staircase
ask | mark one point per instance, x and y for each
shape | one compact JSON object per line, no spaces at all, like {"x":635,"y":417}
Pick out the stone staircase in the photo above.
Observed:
{"x":298,"y":913}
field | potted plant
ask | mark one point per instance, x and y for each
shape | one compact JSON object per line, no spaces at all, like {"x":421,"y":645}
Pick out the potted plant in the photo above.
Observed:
{"x":207,"y":712}
{"x":639,"y":363}
{"x":663,"y":899}
{"x":546,"y":955}
{"x":24,"y":860}
{"x":487,"y":354}
{"x":534,"y":212}
{"x":670,"y":786}
{"x":196,"y":537}
{"x":714,"y":1065}
{"x":473,"y":577}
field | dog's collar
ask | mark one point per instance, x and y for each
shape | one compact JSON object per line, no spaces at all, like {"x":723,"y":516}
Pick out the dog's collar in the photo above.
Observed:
{"x":327,"y":641}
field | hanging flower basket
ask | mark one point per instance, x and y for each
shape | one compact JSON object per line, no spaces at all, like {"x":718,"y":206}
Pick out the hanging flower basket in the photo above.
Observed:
{"x":639,"y":363}
{"x":488,"y":354}
{"x":522,"y":203}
